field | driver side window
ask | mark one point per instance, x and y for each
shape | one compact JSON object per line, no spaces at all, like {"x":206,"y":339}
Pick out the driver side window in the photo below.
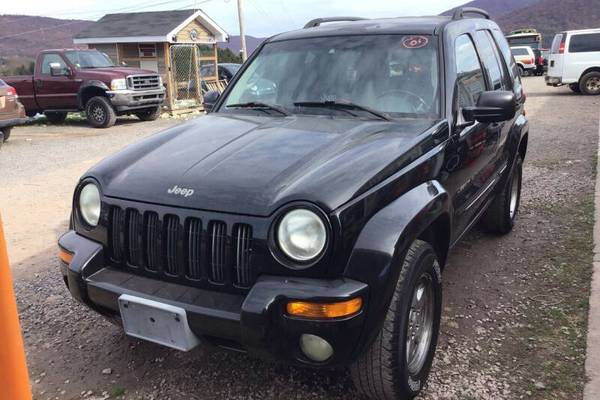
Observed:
{"x":470,"y":82}
{"x":49,"y":59}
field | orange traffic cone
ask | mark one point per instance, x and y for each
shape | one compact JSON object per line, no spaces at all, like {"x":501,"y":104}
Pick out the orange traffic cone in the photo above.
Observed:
{"x":14,"y":379}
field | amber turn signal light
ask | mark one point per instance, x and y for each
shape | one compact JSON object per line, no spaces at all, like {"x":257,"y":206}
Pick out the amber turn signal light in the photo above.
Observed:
{"x":324,"y":310}
{"x":65,"y":256}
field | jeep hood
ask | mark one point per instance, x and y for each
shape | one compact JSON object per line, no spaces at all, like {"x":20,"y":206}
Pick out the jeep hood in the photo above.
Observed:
{"x":252,"y":165}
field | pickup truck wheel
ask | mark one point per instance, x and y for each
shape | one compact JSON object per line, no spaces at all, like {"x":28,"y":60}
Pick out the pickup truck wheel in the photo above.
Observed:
{"x":150,"y":114}
{"x":6,"y":132}
{"x":100,"y":113}
{"x":56,"y":117}
{"x":575,"y":87}
{"x":397,"y":363}
{"x":590,"y":83}
{"x":500,"y":216}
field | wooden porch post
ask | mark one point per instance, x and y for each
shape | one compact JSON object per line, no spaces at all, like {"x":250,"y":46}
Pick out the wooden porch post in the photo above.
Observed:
{"x":170,"y":83}
{"x":196,"y":63}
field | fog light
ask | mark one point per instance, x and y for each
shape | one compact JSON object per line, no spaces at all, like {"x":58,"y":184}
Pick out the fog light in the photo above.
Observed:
{"x":316,"y":348}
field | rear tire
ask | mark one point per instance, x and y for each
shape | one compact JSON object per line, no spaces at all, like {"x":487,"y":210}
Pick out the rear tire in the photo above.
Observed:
{"x":521,"y":71}
{"x":396,"y":366}
{"x":501,"y":215}
{"x":575,"y":87}
{"x":6,"y":132}
{"x":100,"y":113}
{"x":150,"y":114}
{"x":590,"y":83}
{"x":56,"y":117}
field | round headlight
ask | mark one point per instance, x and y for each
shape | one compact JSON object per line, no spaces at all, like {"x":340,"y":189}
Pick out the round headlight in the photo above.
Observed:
{"x":89,"y":204}
{"x":301,"y":235}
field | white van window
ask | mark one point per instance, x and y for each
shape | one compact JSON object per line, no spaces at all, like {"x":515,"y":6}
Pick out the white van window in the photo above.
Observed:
{"x":556,"y":43}
{"x":584,"y":43}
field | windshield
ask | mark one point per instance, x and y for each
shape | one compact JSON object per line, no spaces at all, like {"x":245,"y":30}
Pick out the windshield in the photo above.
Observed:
{"x":392,"y":74}
{"x":89,"y":59}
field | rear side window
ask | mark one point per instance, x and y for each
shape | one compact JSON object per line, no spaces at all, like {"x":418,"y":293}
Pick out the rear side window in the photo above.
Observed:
{"x":489,"y":57}
{"x":584,"y":43}
{"x":509,"y":60}
{"x":554,"y":49}
{"x":520,"y":52}
{"x":469,"y":81}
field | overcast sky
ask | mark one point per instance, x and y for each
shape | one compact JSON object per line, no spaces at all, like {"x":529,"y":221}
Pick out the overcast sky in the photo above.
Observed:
{"x":263,"y":17}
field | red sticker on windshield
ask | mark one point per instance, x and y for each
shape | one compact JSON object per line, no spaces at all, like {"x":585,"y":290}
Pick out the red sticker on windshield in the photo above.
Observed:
{"x":415,"y":42}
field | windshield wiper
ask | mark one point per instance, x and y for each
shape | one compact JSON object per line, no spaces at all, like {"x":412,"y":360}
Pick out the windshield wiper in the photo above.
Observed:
{"x":260,"y":106}
{"x":343,"y":105}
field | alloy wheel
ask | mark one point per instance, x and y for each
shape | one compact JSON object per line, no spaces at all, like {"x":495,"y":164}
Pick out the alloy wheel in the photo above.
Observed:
{"x":420,"y":324}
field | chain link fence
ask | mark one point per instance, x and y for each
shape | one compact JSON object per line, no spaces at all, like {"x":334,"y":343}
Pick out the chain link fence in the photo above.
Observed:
{"x":185,"y":72}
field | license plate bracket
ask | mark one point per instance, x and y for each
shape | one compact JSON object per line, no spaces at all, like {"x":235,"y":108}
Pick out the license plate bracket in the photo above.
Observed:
{"x":156,"y":322}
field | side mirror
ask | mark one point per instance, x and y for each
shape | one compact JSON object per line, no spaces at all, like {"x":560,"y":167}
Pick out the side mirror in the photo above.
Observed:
{"x":496,"y":106}
{"x":58,"y":70}
{"x":210,"y":98}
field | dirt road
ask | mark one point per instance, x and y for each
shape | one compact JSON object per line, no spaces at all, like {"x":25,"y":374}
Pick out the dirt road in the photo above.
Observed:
{"x":515,"y":307}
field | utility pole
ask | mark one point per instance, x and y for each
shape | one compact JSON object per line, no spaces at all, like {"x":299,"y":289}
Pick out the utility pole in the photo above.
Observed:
{"x":242,"y":35}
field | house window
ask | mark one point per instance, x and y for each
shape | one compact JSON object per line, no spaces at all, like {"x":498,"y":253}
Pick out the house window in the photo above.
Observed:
{"x":147,"y":50}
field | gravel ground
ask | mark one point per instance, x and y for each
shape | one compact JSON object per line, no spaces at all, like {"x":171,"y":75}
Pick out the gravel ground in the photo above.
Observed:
{"x":515,"y":307}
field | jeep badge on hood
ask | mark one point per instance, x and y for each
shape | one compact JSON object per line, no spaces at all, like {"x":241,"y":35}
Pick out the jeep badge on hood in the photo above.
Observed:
{"x":185,"y":192}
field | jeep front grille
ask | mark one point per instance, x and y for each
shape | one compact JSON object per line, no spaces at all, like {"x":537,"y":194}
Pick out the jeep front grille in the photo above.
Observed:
{"x":143,"y":82}
{"x":182,"y":248}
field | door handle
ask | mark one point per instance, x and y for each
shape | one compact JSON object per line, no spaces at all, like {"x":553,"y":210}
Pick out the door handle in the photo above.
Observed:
{"x":38,"y":82}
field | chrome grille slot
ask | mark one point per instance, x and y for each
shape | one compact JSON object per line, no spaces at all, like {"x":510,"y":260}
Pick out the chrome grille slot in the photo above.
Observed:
{"x":144,"y":82}
{"x":116,"y":234}
{"x":243,"y":239}
{"x":194,"y":248}
{"x":171,"y":244}
{"x":218,"y":241}
{"x":153,"y":242}
{"x":134,"y":238}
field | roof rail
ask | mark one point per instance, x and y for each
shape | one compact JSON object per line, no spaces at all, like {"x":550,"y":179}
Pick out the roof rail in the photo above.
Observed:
{"x":318,"y":21}
{"x":460,"y":12}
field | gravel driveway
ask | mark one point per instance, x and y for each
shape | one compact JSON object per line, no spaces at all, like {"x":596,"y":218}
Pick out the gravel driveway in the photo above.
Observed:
{"x":515,"y":307}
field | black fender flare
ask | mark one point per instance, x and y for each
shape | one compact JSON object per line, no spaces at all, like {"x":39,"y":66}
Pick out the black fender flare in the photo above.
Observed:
{"x":86,"y":85}
{"x":382,"y":244}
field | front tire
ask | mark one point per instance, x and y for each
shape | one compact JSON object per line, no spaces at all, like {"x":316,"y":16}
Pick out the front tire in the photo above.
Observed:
{"x":590,"y":83}
{"x":150,"y":114}
{"x":100,"y":113}
{"x":56,"y":117}
{"x":397,"y":363}
{"x":6,"y":132}
{"x":501,"y":215}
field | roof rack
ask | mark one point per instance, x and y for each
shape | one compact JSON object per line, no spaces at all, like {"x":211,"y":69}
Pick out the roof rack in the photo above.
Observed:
{"x":318,"y":21}
{"x":460,"y":12}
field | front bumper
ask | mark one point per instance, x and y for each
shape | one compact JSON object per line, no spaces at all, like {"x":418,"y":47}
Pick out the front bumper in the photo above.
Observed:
{"x":13,"y":122}
{"x":125,"y":100}
{"x":255,"y":322}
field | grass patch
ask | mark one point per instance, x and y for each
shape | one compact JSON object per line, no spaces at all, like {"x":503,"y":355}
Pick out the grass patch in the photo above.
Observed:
{"x":549,"y":350}
{"x":117,"y":391}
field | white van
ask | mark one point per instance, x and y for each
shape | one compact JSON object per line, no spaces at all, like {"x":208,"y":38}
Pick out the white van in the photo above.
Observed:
{"x":575,"y":61}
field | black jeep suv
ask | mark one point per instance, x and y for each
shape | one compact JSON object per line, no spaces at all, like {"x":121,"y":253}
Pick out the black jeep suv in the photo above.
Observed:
{"x":310,"y":222}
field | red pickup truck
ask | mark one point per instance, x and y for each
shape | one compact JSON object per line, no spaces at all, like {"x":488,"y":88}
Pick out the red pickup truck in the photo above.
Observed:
{"x":72,"y":80}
